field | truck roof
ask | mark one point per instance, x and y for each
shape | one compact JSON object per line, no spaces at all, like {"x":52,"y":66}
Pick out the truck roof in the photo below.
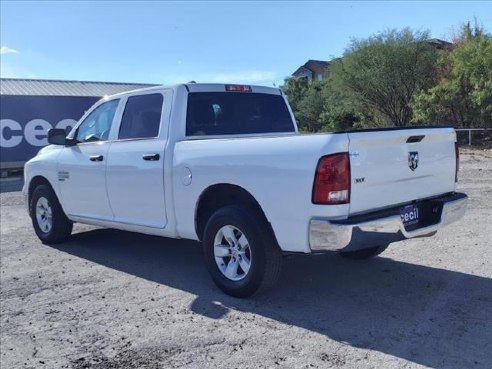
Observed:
{"x":204,"y":87}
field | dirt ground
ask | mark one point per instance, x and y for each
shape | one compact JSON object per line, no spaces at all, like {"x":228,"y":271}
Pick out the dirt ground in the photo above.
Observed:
{"x":112,"y":299}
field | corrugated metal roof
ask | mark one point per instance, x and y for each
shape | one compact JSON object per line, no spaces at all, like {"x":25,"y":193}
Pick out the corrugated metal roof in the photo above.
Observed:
{"x":36,"y":87}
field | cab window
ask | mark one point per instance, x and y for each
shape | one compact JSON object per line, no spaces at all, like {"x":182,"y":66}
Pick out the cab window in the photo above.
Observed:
{"x":226,"y":113}
{"x":142,"y":117}
{"x":98,"y":123}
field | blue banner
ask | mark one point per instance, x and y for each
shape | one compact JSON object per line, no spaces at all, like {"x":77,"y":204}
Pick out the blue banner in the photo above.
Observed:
{"x":25,"y":121}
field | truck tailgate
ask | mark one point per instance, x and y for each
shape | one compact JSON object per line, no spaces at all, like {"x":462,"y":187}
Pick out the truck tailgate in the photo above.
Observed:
{"x":390,"y":167}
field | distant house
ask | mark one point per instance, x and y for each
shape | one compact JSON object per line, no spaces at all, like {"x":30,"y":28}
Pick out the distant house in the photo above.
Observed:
{"x":312,"y":70}
{"x":440,"y":44}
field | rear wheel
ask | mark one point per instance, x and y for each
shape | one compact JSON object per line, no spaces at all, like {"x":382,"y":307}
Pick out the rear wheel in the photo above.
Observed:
{"x":48,"y":219}
{"x":364,"y":253}
{"x":241,"y":253}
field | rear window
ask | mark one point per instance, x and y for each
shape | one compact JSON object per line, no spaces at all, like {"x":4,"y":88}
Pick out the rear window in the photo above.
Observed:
{"x":230,"y":113}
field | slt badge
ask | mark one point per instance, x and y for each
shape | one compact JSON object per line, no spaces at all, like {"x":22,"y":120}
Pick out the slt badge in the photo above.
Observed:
{"x":413,"y":160}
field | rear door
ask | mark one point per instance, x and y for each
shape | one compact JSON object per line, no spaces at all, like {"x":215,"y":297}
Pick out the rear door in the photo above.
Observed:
{"x":135,"y":167}
{"x":391,"y":167}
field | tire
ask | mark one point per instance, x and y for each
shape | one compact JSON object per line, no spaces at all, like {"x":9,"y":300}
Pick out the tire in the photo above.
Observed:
{"x":48,"y":219}
{"x":223,"y":244}
{"x":364,"y":253}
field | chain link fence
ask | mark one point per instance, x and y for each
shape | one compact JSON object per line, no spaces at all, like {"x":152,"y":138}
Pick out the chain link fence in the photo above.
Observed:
{"x":481,"y":137}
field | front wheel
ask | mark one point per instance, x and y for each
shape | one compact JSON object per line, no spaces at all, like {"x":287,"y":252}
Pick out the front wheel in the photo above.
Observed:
{"x":48,"y":219}
{"x":240,"y":251}
{"x":364,"y":253}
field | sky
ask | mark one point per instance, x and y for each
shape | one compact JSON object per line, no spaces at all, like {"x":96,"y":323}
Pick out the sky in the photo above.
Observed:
{"x":176,"y":42}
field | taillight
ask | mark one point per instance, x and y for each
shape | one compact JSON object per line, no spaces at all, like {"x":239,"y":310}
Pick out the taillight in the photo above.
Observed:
{"x":457,"y":155}
{"x":332,"y":180}
{"x":238,"y":88}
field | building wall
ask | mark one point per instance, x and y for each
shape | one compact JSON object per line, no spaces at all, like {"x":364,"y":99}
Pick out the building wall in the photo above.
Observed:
{"x":305,"y":74}
{"x":25,"y":121}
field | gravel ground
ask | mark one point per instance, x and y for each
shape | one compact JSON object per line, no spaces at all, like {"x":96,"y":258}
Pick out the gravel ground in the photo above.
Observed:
{"x":112,"y":299}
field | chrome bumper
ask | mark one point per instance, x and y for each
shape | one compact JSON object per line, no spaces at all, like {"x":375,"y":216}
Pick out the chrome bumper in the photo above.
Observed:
{"x":372,"y":230}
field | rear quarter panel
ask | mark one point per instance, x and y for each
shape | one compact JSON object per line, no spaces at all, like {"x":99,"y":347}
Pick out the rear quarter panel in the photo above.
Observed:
{"x":277,"y":171}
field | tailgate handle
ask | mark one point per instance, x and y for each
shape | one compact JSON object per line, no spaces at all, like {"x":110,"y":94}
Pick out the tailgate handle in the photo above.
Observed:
{"x":413,"y":139}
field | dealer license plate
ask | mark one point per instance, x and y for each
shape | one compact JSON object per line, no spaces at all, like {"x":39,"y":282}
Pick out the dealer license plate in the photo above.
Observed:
{"x":409,"y":215}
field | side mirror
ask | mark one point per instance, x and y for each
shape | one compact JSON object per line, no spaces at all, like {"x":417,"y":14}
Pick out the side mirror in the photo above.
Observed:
{"x":57,"y":136}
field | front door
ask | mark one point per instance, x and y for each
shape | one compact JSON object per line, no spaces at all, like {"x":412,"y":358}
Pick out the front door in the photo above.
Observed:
{"x":82,"y":167}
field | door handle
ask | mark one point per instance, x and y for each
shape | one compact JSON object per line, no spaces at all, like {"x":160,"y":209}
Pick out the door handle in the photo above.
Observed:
{"x":151,"y":157}
{"x":96,"y":158}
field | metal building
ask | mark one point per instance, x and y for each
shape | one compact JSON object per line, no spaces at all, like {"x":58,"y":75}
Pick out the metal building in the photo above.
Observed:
{"x":30,"y":107}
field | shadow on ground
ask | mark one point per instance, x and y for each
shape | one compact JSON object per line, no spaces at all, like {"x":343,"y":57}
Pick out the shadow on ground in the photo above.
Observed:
{"x":433,"y":317}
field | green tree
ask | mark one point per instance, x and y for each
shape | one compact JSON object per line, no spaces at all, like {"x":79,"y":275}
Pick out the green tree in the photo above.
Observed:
{"x":384,"y":71}
{"x":295,"y":89}
{"x":306,"y":101}
{"x":311,"y":107}
{"x":342,"y":109}
{"x":463,"y":94}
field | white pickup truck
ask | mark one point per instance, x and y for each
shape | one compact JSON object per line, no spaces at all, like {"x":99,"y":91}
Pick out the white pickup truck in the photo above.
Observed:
{"x":225,"y":164}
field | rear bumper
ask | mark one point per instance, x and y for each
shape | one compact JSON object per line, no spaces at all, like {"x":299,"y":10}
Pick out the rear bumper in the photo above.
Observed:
{"x":384,"y":227}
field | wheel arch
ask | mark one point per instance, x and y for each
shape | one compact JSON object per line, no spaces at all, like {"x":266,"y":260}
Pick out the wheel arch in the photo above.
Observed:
{"x":35,"y":182}
{"x":219,"y":195}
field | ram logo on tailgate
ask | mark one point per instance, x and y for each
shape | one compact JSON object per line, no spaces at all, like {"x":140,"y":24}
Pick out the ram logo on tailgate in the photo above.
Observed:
{"x":413,"y":160}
